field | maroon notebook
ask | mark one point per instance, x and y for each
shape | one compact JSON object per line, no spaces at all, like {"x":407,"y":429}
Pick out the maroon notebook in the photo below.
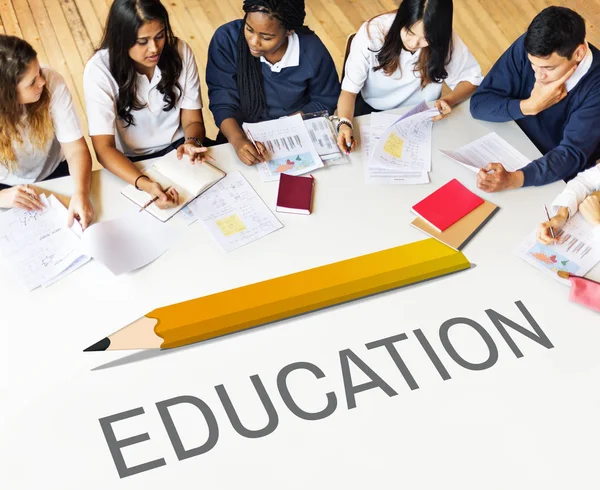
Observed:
{"x":295,"y":194}
{"x":444,"y":207}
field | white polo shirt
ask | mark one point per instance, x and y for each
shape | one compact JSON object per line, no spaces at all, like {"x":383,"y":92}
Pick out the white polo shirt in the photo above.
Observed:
{"x":290,"y":59}
{"x":153,"y":128}
{"x":403,"y":87}
{"x":35,"y":164}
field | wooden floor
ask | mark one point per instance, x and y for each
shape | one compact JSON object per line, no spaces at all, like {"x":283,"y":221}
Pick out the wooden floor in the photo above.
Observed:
{"x":65,"y":32}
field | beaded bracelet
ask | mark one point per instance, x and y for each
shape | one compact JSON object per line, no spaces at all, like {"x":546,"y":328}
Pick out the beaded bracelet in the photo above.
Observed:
{"x":138,"y":178}
{"x":344,"y":122}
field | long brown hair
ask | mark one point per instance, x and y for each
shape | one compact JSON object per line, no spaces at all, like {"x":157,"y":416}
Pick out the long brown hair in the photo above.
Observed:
{"x":15,"y":57}
{"x":437,"y":24}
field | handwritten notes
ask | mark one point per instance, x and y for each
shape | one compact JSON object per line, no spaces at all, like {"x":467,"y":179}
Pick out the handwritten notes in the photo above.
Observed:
{"x":231,"y":225}
{"x":234,"y":213}
{"x":393,"y":145}
{"x":399,"y":147}
{"x":37,"y":245}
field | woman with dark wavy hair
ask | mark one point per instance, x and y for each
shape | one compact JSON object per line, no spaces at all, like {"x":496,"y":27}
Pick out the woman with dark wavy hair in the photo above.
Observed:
{"x":142,"y":95}
{"x":402,"y":58}
{"x":39,"y":129}
{"x":265,"y":66}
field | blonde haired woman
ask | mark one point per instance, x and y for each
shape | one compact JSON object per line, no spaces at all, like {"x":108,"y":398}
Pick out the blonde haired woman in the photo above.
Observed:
{"x":39,"y":128}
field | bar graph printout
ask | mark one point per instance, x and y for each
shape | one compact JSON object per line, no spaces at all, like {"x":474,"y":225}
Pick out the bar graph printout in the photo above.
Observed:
{"x":288,"y":145}
{"x":574,"y":250}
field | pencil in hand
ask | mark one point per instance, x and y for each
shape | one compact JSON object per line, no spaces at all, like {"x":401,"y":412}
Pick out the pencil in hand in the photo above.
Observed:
{"x":154,"y":199}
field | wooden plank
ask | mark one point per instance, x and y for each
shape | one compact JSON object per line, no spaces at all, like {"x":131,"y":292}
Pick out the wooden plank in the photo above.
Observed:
{"x":101,"y":10}
{"x":92,"y":21}
{"x":78,"y":29}
{"x":28,"y":28}
{"x":9,"y":19}
{"x":181,"y":17}
{"x":67,"y":45}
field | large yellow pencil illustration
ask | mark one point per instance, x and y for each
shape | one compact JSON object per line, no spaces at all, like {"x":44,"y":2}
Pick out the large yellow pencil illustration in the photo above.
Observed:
{"x":283,"y":297}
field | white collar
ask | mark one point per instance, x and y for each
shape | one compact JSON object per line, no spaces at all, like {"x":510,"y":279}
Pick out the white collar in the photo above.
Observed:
{"x":291,"y":57}
{"x":583,"y":67}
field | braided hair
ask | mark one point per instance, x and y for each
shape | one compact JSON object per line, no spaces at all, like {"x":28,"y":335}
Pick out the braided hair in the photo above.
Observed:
{"x":251,"y":91}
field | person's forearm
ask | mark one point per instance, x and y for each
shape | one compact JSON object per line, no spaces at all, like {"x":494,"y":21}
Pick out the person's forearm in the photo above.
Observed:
{"x":461,"y":92}
{"x":115,"y":162}
{"x":346,"y":104}
{"x":80,"y":168}
{"x":232,"y":130}
{"x":195,"y":130}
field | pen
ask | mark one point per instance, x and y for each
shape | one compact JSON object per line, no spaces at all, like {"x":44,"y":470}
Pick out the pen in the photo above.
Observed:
{"x":154,"y":199}
{"x":254,"y":143}
{"x":548,"y":216}
{"x":349,"y":144}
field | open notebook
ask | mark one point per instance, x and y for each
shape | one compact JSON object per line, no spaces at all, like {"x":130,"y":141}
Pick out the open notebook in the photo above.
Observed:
{"x":189,"y":180}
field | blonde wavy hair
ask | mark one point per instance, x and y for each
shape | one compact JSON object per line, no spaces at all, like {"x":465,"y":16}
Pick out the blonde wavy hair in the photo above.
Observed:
{"x":15,"y":57}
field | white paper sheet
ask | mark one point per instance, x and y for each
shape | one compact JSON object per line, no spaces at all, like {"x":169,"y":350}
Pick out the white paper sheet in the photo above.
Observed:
{"x":323,"y":137}
{"x":129,"y":242}
{"x":234,"y":213}
{"x":289,"y":147}
{"x":38,"y":245}
{"x":574,"y":251}
{"x":402,"y":154}
{"x":489,"y":148}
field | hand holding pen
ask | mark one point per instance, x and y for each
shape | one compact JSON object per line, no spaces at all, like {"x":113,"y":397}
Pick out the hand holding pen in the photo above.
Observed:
{"x":547,"y":231}
{"x":168,"y":198}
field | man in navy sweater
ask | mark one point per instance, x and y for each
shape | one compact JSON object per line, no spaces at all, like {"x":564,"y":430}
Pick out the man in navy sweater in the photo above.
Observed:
{"x":548,"y":81}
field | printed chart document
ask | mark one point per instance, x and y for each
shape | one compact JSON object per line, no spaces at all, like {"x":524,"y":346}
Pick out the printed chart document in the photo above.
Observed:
{"x":37,"y":245}
{"x":489,"y":148}
{"x":402,"y":154}
{"x":322,"y":135}
{"x":234,"y":213}
{"x":574,"y":251}
{"x":289,"y":147}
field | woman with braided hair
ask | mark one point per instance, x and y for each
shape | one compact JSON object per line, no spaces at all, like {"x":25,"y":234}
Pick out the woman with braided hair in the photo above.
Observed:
{"x":265,"y":66}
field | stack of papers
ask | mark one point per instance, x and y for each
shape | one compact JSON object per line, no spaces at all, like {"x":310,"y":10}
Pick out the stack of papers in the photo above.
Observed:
{"x":41,"y":249}
{"x":487,"y":149}
{"x":38,"y":246}
{"x":399,"y":148}
{"x":323,"y":136}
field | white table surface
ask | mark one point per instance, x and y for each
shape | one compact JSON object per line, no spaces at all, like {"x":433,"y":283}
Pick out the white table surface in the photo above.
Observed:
{"x":529,"y":422}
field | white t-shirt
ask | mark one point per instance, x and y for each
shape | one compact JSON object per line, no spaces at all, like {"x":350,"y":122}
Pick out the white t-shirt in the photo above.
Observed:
{"x":153,"y":128}
{"x":403,"y":87}
{"x":35,"y":164}
{"x":577,"y":190}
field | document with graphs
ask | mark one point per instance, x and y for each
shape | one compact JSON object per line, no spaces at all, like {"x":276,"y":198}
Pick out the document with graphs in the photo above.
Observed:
{"x":288,"y":145}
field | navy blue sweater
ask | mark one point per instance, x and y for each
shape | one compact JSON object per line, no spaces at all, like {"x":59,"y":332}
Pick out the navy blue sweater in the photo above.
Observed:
{"x":311,"y":86}
{"x":567,"y":134}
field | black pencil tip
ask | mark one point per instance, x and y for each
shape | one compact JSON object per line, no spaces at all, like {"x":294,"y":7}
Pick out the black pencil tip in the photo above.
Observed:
{"x":99,"y":346}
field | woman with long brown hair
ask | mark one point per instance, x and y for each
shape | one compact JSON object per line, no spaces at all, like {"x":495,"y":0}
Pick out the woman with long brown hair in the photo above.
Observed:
{"x":403,"y":58}
{"x":40,"y":135}
{"x":142,"y":96}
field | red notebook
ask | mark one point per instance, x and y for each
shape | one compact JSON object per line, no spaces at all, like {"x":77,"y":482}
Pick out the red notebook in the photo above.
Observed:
{"x":295,"y":194}
{"x":447,"y":205}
